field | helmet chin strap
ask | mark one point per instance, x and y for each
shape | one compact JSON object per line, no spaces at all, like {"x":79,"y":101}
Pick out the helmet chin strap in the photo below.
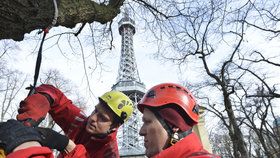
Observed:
{"x":174,"y":135}
{"x":103,"y":135}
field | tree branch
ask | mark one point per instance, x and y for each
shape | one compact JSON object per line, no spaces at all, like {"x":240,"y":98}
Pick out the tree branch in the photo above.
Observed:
{"x":18,"y":17}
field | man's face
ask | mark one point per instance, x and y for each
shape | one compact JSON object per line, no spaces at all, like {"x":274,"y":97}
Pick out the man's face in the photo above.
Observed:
{"x":155,"y":136}
{"x":100,"y":120}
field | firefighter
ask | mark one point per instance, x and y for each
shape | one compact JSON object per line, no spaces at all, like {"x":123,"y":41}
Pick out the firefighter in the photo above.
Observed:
{"x":97,"y":132}
{"x":169,"y":113}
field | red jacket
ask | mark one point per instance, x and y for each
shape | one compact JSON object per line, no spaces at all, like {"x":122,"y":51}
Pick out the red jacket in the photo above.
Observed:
{"x":32,"y":152}
{"x":189,"y":147}
{"x":45,"y":152}
{"x":71,"y":119}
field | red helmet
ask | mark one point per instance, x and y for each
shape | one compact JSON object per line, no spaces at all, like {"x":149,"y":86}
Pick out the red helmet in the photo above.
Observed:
{"x":170,"y":93}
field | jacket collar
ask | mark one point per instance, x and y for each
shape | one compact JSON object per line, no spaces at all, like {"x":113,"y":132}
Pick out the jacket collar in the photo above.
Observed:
{"x":108,"y":138}
{"x":182,"y":148}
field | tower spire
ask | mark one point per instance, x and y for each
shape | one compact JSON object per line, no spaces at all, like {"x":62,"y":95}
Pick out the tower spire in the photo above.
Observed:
{"x":128,"y":81}
{"x":127,"y":66}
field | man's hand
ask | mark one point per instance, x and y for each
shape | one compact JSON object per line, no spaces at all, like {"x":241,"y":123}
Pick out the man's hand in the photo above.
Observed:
{"x":14,"y":133}
{"x":52,"y":139}
{"x":33,"y":109}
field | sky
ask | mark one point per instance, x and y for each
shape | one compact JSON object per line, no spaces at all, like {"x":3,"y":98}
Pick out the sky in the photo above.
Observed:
{"x":151,"y":71}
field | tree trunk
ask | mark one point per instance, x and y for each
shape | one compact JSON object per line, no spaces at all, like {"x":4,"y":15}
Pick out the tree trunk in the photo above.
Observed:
{"x":18,"y":17}
{"x":239,"y":145}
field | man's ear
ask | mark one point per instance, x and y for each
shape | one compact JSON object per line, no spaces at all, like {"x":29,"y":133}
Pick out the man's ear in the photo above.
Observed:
{"x":114,"y":127}
{"x":111,"y":130}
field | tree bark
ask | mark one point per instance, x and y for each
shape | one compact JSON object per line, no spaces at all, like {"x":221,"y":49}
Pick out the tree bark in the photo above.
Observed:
{"x":239,"y":145}
{"x":18,"y":17}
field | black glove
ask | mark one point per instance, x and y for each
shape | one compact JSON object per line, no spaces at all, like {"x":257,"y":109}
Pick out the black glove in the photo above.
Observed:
{"x":13,"y":133}
{"x":52,"y":139}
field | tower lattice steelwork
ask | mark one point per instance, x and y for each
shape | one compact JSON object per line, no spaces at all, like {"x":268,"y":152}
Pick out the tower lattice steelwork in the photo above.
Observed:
{"x":128,"y":81}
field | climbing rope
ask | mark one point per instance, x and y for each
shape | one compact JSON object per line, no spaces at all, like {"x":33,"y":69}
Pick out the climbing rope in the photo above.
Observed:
{"x":39,"y":56}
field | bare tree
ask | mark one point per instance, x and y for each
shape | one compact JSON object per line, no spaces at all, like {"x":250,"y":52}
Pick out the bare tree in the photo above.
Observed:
{"x":255,"y":112}
{"x":221,"y":143}
{"x":11,"y":83}
{"x":196,"y":32}
{"x":6,"y":47}
{"x":54,"y":78}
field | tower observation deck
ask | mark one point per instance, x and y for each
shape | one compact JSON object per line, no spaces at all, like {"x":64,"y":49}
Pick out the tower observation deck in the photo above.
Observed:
{"x":128,"y":81}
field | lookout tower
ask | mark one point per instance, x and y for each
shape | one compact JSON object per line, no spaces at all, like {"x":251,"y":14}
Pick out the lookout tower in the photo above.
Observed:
{"x":128,"y":81}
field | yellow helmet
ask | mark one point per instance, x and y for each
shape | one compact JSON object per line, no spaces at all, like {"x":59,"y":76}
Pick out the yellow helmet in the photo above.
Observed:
{"x":121,"y":105}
